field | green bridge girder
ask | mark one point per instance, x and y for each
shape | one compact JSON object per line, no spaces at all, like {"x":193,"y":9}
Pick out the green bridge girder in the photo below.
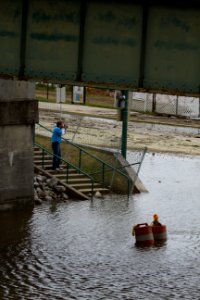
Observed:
{"x":153,"y":46}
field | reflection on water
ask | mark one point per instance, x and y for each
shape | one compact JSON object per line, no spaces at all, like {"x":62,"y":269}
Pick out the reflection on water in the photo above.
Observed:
{"x":84,"y":250}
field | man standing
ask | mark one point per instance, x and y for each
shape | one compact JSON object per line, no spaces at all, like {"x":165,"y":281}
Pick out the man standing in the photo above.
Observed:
{"x":155,"y":221}
{"x":58,"y":131}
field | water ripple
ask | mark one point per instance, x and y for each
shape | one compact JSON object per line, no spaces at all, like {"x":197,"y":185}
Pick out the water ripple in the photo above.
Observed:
{"x":84,"y":250}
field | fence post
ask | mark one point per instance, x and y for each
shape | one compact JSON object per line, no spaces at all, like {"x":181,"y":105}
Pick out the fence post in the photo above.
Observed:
{"x":199,"y":107}
{"x":177,"y":105}
{"x":47,"y":91}
{"x":154,"y":103}
{"x":124,"y":124}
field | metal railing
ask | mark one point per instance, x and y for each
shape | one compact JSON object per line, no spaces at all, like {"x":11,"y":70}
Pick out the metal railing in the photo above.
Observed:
{"x":68,"y":165}
{"x":105,"y":167}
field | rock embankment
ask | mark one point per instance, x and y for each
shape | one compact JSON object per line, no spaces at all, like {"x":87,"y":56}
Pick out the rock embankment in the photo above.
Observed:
{"x":48,"y":189}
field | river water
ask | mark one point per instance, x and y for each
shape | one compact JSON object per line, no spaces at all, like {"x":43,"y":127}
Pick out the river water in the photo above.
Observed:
{"x":85,"y":251}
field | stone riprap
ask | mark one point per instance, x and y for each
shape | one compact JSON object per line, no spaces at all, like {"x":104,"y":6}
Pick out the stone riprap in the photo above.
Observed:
{"x":48,"y":189}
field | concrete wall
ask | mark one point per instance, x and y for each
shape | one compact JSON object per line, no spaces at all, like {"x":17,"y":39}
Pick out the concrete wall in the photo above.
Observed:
{"x":17,"y":119}
{"x":16,"y":165}
{"x":15,"y":89}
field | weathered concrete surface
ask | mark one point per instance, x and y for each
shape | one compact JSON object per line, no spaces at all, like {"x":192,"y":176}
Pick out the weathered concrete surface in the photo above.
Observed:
{"x":15,"y":89}
{"x":16,"y":165}
{"x":138,"y":186}
{"x":17,"y":118}
{"x":16,"y":112}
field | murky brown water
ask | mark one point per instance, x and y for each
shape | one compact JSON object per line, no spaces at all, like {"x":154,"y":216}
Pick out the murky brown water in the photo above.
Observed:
{"x":85,"y":251}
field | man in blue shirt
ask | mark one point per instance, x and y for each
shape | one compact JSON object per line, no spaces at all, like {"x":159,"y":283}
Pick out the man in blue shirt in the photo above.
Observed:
{"x":56,"y":140}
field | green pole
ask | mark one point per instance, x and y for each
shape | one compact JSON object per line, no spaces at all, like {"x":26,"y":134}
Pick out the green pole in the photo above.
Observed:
{"x":124,"y":124}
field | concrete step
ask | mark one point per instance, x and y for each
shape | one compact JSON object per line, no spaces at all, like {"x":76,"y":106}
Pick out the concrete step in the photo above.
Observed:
{"x":88,"y":190}
{"x":37,"y":150}
{"x":76,"y":175}
{"x":80,"y":182}
{"x":85,"y":185}
{"x":39,"y":161}
{"x":77,"y":180}
{"x":49,"y":167}
{"x":40,"y":156}
{"x":61,"y":174}
{"x":40,"y":152}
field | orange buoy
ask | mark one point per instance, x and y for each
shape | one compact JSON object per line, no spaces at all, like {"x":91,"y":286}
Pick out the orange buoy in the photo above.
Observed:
{"x":143,"y":234}
{"x":159,"y":233}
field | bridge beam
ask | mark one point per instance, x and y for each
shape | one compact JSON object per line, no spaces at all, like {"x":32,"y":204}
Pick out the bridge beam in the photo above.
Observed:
{"x":18,"y":114}
{"x":150,"y":46}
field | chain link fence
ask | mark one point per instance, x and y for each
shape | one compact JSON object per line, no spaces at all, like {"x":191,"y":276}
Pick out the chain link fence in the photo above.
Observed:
{"x":165,"y":104}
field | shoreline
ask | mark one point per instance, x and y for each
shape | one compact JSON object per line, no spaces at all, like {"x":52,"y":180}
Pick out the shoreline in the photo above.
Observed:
{"x":93,"y":132}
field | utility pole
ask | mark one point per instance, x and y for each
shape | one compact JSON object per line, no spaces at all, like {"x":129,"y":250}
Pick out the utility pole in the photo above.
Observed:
{"x":47,"y":91}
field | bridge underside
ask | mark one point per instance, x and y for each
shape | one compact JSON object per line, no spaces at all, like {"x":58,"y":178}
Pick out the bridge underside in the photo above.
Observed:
{"x":119,"y":44}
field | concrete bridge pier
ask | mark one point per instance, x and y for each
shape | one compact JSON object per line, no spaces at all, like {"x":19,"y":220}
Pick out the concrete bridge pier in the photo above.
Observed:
{"x":18,"y":115}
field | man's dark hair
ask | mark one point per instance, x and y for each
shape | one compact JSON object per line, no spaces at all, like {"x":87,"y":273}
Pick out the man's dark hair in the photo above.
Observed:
{"x":59,"y":123}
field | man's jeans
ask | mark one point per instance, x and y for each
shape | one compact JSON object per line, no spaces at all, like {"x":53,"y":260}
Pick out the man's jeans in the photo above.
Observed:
{"x":57,"y":152}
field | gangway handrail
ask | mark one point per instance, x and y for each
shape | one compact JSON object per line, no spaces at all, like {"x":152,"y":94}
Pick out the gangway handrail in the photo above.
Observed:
{"x":44,"y":150}
{"x":104,"y":164}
